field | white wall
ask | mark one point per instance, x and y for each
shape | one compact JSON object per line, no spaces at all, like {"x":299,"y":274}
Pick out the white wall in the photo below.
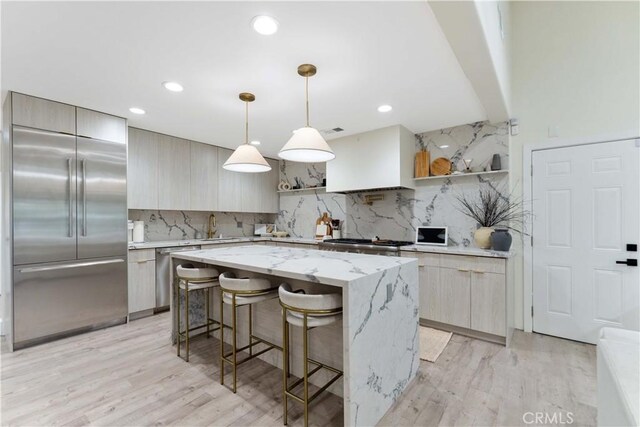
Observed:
{"x":494,"y":17}
{"x":575,"y":66}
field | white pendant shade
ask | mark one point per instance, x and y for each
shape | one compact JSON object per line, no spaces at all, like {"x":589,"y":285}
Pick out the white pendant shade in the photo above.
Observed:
{"x":246,"y":158}
{"x":307,"y":145}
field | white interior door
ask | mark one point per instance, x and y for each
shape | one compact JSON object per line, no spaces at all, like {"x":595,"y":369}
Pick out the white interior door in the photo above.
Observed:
{"x":586,"y":211}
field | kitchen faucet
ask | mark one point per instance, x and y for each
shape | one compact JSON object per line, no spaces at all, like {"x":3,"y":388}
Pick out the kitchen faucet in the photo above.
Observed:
{"x":211,"y":230}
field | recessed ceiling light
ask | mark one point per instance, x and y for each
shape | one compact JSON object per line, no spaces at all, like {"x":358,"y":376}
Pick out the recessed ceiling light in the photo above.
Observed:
{"x":385,"y":108}
{"x":136,"y":110}
{"x":265,"y":25}
{"x":173,"y":86}
{"x":444,"y":146}
{"x":255,"y":142}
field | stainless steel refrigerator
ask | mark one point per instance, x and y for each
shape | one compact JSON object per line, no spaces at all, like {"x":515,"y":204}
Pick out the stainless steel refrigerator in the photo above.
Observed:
{"x":69,"y":202}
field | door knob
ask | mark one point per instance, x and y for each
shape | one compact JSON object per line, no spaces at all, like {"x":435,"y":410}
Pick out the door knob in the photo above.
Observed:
{"x":630,"y":262}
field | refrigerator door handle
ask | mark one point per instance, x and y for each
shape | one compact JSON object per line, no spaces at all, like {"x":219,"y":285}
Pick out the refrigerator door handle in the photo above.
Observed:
{"x":84,"y":197}
{"x":66,"y":266}
{"x":69,"y":162}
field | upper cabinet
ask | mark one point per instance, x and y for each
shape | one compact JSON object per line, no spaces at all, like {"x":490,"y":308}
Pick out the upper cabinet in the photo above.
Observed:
{"x":106,"y":127}
{"x":247,"y":192}
{"x":174,"y":173}
{"x":204,"y":177}
{"x":43,"y":114}
{"x":142,"y":169}
{"x":230,"y":185}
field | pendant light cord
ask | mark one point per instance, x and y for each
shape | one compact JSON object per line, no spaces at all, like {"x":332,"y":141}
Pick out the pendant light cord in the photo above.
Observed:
{"x":246,"y":123}
{"x":306,"y":90}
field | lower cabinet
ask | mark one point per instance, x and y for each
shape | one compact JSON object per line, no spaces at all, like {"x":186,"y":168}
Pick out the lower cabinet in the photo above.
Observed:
{"x":142,"y":280}
{"x":463,"y":291}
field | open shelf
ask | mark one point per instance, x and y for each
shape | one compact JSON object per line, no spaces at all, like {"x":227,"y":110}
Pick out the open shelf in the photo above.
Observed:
{"x":299,"y":190}
{"x":462,"y":175}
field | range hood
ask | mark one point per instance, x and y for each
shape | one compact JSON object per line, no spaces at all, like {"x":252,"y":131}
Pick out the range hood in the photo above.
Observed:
{"x":381,"y":159}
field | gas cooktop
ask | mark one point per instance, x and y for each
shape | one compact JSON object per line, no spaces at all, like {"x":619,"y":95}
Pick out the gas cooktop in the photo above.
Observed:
{"x":379,"y":242}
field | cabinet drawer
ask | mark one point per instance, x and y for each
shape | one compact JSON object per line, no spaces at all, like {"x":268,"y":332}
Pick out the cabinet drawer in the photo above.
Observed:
{"x":473,"y":263}
{"x":141,"y":255}
{"x":424,"y":259}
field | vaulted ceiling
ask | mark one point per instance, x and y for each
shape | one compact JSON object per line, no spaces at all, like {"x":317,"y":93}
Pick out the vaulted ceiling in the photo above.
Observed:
{"x":112,"y":56}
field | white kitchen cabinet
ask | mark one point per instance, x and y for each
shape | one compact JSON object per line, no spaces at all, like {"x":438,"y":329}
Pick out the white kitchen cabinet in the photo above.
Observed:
{"x":174,"y":173}
{"x":488,"y":303}
{"x":230,"y":185}
{"x":96,"y":125}
{"x":142,"y":280}
{"x":204,"y":177}
{"x":43,"y":114}
{"x":142,"y":169}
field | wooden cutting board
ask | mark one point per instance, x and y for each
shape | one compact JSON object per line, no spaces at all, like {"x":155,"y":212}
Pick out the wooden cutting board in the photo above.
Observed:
{"x":441,"y":166}
{"x":422,"y":164}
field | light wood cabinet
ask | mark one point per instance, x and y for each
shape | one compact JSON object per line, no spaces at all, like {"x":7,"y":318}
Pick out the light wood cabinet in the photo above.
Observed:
{"x":174,"y":173}
{"x":488,"y":303}
{"x":105,"y":127}
{"x":204,"y":177}
{"x":142,"y":169}
{"x":43,"y":114}
{"x":454,"y":298}
{"x":142,"y":280}
{"x":230,"y":185}
{"x":268,"y":197}
{"x":464,"y":291}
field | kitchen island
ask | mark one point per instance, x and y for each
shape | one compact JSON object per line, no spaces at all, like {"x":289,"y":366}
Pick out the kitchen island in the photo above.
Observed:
{"x":378,"y":347}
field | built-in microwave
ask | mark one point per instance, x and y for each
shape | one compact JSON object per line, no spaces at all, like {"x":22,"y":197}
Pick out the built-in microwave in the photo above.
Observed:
{"x":429,"y":235}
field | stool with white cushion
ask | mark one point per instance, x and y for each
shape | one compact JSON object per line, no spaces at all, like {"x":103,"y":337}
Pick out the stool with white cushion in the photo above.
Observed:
{"x":190,"y":279}
{"x":238,"y":292}
{"x":307,"y":311}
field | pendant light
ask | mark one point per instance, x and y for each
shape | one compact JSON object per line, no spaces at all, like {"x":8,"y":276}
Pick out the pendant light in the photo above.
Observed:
{"x":246,"y":158}
{"x":306,"y":144}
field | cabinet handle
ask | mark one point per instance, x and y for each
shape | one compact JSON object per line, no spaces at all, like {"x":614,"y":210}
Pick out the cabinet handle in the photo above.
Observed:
{"x":479,"y":271}
{"x":463,"y":269}
{"x":143,"y":261}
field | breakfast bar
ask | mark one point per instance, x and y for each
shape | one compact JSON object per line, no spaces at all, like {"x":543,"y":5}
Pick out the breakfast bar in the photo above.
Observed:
{"x":378,"y":347}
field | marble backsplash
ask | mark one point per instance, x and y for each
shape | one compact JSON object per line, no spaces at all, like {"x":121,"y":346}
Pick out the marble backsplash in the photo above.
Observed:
{"x":177,"y":225}
{"x":396,"y":217}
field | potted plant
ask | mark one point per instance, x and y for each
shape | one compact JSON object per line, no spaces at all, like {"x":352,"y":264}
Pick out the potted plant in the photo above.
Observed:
{"x":496,"y":213}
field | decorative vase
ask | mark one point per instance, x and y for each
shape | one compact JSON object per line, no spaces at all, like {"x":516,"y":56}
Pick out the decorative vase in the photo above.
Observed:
{"x":501,"y":240}
{"x":496,"y":163}
{"x":482,"y":236}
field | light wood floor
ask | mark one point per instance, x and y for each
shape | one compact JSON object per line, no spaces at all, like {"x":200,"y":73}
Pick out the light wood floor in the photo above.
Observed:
{"x":129,"y":375}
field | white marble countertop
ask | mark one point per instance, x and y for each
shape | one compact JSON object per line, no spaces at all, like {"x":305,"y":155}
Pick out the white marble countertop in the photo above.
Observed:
{"x":457,"y":250}
{"x":328,"y":267}
{"x":169,"y":243}
{"x":451,"y":250}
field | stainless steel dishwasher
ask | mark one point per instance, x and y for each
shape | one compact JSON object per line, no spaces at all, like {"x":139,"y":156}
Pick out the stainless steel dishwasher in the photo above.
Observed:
{"x":163,"y":282}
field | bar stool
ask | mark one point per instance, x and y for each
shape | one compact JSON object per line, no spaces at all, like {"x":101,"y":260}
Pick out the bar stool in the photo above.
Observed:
{"x":307,"y":311}
{"x":239,"y":292}
{"x":190,"y":279}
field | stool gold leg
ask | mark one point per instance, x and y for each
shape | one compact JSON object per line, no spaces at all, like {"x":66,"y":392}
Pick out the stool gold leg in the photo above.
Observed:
{"x":222,"y":366}
{"x":250,"y":329}
{"x":208,"y":309}
{"x":305,"y":343}
{"x":177,"y":296}
{"x":233,"y":328}
{"x":186,"y":311}
{"x":285,"y":363}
